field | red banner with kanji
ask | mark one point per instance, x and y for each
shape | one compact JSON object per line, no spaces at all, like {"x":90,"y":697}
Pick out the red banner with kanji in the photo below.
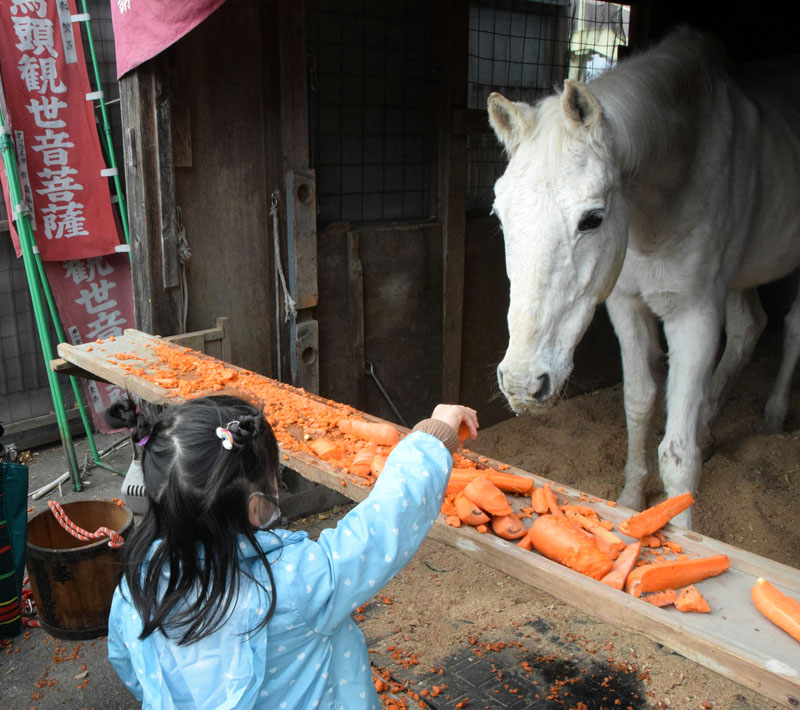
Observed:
{"x":49,"y":107}
{"x":95,"y":301}
{"x":144,"y":28}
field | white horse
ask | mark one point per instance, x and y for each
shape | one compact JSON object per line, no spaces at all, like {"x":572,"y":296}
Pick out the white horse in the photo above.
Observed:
{"x":668,"y":188}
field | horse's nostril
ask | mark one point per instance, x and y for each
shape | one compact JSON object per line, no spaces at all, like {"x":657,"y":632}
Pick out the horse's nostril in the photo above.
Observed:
{"x":544,"y":388}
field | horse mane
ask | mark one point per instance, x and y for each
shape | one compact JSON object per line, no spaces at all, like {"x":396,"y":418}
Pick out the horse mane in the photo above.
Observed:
{"x":665,"y":86}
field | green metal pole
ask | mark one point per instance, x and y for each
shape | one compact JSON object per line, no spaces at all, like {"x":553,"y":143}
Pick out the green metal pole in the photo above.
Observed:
{"x":87,"y":425}
{"x":26,"y":241}
{"x":109,"y":142}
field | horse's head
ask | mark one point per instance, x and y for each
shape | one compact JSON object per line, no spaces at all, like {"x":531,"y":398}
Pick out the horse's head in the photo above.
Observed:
{"x":565,"y":226}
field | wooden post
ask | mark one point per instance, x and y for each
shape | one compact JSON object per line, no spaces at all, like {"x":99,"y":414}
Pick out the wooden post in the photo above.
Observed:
{"x":451,"y":36}
{"x":150,"y":181}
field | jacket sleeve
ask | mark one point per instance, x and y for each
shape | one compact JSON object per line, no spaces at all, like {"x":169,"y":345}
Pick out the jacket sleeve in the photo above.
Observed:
{"x":118,"y":652}
{"x":379,"y":536}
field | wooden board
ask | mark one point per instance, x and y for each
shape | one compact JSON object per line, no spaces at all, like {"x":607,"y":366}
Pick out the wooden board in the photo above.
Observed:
{"x":734,"y":640}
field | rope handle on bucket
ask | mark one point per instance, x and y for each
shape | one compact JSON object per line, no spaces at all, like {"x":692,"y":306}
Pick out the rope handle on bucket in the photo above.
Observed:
{"x":116,"y":540}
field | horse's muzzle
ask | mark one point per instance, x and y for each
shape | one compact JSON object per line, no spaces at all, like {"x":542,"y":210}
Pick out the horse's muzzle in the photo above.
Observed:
{"x":522,"y":397}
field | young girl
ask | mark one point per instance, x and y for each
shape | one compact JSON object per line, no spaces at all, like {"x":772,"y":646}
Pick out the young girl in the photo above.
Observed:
{"x":217,"y":609}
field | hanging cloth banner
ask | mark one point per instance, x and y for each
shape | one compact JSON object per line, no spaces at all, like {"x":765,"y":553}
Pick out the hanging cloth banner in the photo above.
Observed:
{"x":95,"y":302}
{"x":49,"y":107}
{"x":144,"y":28}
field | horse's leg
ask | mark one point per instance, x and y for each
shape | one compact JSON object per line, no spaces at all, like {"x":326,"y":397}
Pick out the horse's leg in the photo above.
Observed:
{"x":778,"y":403}
{"x":637,"y":330}
{"x":692,"y":337}
{"x":744,"y":322}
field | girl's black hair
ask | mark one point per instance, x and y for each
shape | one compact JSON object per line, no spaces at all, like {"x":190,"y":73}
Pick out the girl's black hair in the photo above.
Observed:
{"x":198,"y":492}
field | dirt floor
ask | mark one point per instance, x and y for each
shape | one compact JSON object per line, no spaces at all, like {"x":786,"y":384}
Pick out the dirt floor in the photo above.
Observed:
{"x":449,"y":629}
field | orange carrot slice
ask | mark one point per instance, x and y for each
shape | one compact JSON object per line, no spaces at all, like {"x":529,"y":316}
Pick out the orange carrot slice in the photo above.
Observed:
{"x":383,"y":434}
{"x":509,"y":526}
{"x":468,"y":512}
{"x":326,"y":449}
{"x":622,"y":566}
{"x":672,"y":574}
{"x":510,"y":482}
{"x":781,"y":609}
{"x":362,"y":461}
{"x":691,"y":600}
{"x":538,"y":502}
{"x":665,"y":598}
{"x":377,"y":464}
{"x":598,"y":530}
{"x":648,"y":521}
{"x":557,"y":538}
{"x":552,"y":503}
{"x":487,"y":496}
{"x":460,"y":477}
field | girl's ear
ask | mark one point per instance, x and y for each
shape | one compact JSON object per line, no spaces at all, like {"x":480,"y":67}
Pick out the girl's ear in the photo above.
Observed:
{"x":253,"y":510}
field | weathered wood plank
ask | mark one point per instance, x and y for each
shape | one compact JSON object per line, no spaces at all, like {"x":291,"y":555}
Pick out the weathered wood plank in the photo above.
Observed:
{"x":734,"y":640}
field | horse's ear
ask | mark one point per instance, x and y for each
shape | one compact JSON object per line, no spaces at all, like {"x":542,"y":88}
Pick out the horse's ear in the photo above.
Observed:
{"x":511,"y":120}
{"x":579,"y":104}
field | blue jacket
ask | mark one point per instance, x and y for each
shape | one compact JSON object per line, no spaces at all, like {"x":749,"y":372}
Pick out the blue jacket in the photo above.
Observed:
{"x":311,"y":654}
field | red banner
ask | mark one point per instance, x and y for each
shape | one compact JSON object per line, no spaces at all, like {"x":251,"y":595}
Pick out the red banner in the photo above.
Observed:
{"x":144,"y":28}
{"x":61,"y":165}
{"x":95,"y":301}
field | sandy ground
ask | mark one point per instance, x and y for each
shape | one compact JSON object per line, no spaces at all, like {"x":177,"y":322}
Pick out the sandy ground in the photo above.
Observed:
{"x":447,"y":621}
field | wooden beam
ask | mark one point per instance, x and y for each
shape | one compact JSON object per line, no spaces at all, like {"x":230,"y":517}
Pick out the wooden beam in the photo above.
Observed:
{"x":150,"y":188}
{"x":450,"y":37}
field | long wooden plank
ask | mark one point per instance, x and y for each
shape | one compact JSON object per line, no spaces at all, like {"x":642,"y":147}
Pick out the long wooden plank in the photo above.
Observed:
{"x":734,"y":641}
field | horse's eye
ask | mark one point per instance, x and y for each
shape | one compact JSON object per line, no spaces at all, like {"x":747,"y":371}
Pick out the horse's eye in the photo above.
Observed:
{"x":590,"y":220}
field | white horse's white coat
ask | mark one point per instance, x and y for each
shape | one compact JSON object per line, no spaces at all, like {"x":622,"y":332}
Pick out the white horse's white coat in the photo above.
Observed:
{"x":668,"y":189}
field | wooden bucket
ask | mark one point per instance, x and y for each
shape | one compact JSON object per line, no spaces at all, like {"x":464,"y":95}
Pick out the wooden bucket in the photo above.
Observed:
{"x":74,"y":580}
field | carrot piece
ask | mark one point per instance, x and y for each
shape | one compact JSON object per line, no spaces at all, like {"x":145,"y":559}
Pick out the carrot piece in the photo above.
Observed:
{"x":377,"y":464}
{"x":482,"y":529}
{"x":623,"y":566}
{"x":463,"y":431}
{"x":538,"y":502}
{"x":557,"y":538}
{"x":510,"y":482}
{"x":453,"y":520}
{"x":487,"y":496}
{"x":665,"y":598}
{"x":362,"y":461}
{"x":460,"y":477}
{"x":651,"y":541}
{"x":691,"y":600}
{"x":598,"y":530}
{"x":571,"y":509}
{"x":671,"y":574}
{"x":781,"y":609}
{"x":552,"y":503}
{"x":509,"y":526}
{"x":326,"y":449}
{"x":525,"y":541}
{"x":648,"y":521}
{"x":468,"y":512}
{"x":383,"y":434}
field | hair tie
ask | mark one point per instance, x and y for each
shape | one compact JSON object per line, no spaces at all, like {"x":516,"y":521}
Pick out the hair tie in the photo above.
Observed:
{"x":225,"y":434}
{"x":143,"y":440}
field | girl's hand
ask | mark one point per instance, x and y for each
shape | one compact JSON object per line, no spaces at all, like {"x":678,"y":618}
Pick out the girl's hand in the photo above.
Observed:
{"x":455,"y":415}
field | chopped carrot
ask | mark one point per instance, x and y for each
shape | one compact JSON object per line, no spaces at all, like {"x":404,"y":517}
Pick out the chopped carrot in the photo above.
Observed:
{"x":598,"y":530}
{"x":510,"y":482}
{"x":482,"y":529}
{"x":380,"y":433}
{"x":622,"y":566}
{"x":538,"y":501}
{"x":525,"y":541}
{"x":648,"y":521}
{"x":460,"y":477}
{"x":781,"y":609}
{"x":509,"y":526}
{"x":691,"y":600}
{"x":453,"y":521}
{"x":672,"y":574}
{"x":326,"y":449}
{"x":557,"y":538}
{"x":665,"y":598}
{"x":377,"y":464}
{"x":362,"y":461}
{"x":651,"y":541}
{"x":463,"y":431}
{"x":487,"y":496}
{"x":468,"y":512}
{"x":552,"y":503}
